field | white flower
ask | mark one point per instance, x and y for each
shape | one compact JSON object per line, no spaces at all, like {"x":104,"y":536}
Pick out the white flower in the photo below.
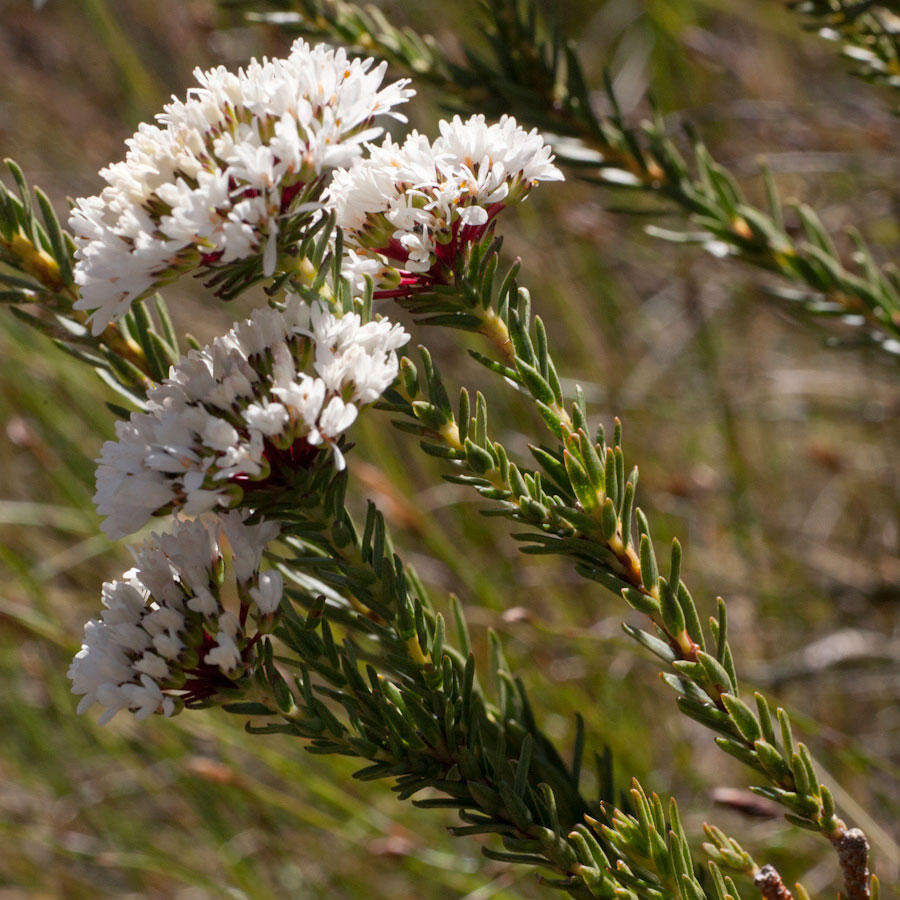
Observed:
{"x":267,"y":594}
{"x":498,"y":160}
{"x":414,"y":206}
{"x":149,"y":651}
{"x":247,"y":543}
{"x":336,"y":417}
{"x":225,"y":654}
{"x":304,"y":394}
{"x":211,"y":181}
{"x":242,"y":413}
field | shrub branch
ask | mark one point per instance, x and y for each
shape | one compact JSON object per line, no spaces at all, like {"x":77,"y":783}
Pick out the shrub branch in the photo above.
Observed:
{"x":580,"y":504}
{"x":538,"y":77}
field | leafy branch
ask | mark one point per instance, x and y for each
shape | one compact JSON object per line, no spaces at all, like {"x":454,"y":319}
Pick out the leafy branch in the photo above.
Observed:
{"x":398,"y":694}
{"x":37,"y":281}
{"x":419,"y":715}
{"x":726,"y":853}
{"x":868,"y":32}
{"x":422,"y":718}
{"x":538,"y":77}
{"x":362,"y":665}
{"x":580,"y":503}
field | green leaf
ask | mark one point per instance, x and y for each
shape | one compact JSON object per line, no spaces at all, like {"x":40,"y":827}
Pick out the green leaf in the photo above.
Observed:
{"x":640,"y":601}
{"x":743,"y":717}
{"x":479,"y":460}
{"x":537,"y":386}
{"x":672,"y":613}
{"x":609,"y":521}
{"x":715,"y":671}
{"x":248,"y":708}
{"x":649,"y":569}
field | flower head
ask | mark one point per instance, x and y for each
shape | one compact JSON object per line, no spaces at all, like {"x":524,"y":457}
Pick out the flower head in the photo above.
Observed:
{"x":413,"y":207}
{"x":252,"y":410}
{"x":210,"y":182}
{"x":180,"y":627}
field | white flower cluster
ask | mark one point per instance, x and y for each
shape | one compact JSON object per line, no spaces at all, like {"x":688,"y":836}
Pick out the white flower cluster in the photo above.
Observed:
{"x":178,"y":629}
{"x":210,"y":182}
{"x":243,"y":412}
{"x":414,"y":206}
{"x":249,"y":419}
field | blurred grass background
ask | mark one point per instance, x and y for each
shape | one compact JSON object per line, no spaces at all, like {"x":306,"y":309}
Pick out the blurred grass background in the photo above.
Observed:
{"x":773,"y":459}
